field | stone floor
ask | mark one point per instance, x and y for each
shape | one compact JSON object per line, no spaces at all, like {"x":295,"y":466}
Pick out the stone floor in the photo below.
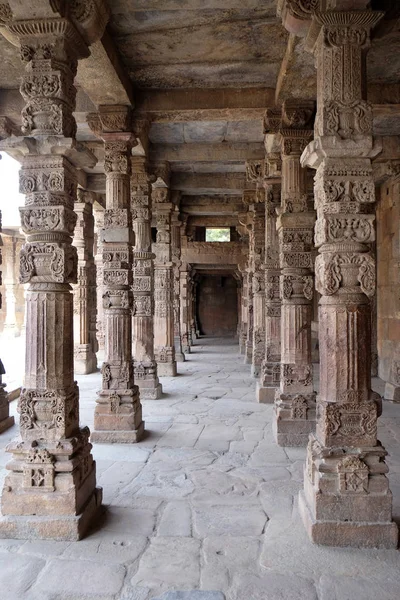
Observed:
{"x":207,"y":502}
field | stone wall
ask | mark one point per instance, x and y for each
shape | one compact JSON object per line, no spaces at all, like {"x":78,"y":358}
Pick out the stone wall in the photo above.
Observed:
{"x":217,"y":305}
{"x":388,"y":279}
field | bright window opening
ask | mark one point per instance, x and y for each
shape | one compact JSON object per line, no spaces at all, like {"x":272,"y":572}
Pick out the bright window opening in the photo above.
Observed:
{"x":218,"y":234}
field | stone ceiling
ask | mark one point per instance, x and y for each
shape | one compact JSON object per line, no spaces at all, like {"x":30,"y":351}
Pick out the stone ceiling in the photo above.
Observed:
{"x":203,"y":72}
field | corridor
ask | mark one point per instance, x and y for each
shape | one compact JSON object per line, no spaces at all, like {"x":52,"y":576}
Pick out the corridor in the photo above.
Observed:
{"x":208,"y":501}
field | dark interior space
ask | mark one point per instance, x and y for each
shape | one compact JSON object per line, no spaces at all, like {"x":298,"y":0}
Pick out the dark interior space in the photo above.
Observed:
{"x":217,"y":305}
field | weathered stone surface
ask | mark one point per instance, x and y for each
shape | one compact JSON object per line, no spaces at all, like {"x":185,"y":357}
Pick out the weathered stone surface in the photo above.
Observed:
{"x":85,"y":579}
{"x":176,"y":520}
{"x":192,"y":595}
{"x":170,"y":561}
{"x":341,"y":588}
{"x":209,"y":519}
{"x":275,"y":586}
{"x":28,"y":570}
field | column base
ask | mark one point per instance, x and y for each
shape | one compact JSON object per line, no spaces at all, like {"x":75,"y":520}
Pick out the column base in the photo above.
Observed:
{"x":6,"y":424}
{"x":85,"y":360}
{"x":295,"y":419}
{"x":166,"y":369}
{"x":118,"y":437}
{"x":392,"y":392}
{"x":265,"y":395}
{"x":60,"y":528}
{"x":354,"y":534}
{"x":118,"y":410}
{"x":150,"y":392}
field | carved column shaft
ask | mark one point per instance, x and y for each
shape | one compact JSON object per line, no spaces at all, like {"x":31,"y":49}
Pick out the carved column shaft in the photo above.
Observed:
{"x":271,"y":364}
{"x":164,"y":347}
{"x":118,"y":413}
{"x":98,"y":258}
{"x":185,"y":311}
{"x":258,"y":284}
{"x":5,"y":420}
{"x":176,"y":259}
{"x":143,"y":283}
{"x":346,"y":499}
{"x":244,"y":315}
{"x":85,"y":346}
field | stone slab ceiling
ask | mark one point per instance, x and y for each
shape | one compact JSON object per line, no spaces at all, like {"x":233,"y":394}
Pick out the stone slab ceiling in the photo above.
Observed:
{"x":197,"y":43}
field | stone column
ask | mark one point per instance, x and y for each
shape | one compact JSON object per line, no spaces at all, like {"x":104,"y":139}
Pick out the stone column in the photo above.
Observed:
{"x":164,"y":348}
{"x":271,"y":364}
{"x":10,"y":288}
{"x":346,"y":499}
{"x":143,"y":283}
{"x":176,"y":259}
{"x":255,"y":172}
{"x":85,"y":342}
{"x":5,"y":420}
{"x":249,"y":200}
{"x":192,"y":308}
{"x":98,"y":214}
{"x":184,"y":316}
{"x":295,"y":399}
{"x":118,"y":413}
{"x":50,"y":491}
{"x":258,"y":284}
{"x":243,"y":308}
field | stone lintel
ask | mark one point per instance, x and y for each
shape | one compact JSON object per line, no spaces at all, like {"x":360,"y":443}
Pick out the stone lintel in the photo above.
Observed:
{"x":114,"y":86}
{"x":184,"y":100}
{"x":207,"y":152}
{"x":210,"y":181}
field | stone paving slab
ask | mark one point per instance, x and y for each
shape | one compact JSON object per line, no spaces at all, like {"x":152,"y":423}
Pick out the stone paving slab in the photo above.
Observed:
{"x":204,"y":508}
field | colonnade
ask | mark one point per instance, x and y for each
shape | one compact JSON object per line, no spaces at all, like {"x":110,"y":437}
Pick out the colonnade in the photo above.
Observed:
{"x":147,"y":315}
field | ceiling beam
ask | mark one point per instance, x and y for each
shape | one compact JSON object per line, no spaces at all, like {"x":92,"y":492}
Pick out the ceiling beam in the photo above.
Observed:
{"x":207,"y":152}
{"x":210,"y":183}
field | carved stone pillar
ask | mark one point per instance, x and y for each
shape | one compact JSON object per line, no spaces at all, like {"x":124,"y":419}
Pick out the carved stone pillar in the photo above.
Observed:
{"x":258,"y":284}
{"x":10,"y":256}
{"x":118,"y":413}
{"x":85,"y":342}
{"x":5,"y":420}
{"x":176,"y":259}
{"x":98,"y":214}
{"x":295,"y":399}
{"x":184,"y":315}
{"x":346,"y":499}
{"x":164,"y":348}
{"x":50,"y":491}
{"x":255,"y":172}
{"x":249,"y":200}
{"x":143,"y":283}
{"x":248,"y":350}
{"x":244,"y":316}
{"x":271,"y":364}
